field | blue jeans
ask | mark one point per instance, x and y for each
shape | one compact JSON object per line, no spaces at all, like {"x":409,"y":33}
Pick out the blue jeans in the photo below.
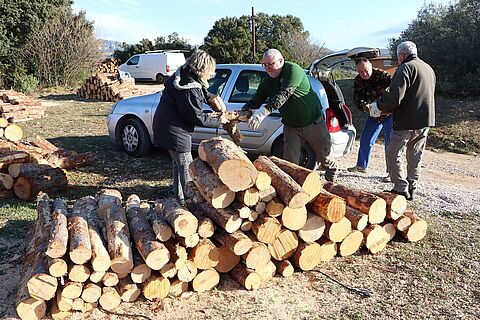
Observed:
{"x":370,"y":133}
{"x":180,"y":163}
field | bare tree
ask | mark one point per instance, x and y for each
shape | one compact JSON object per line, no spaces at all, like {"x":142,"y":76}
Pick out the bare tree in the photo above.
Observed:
{"x":303,"y":50}
{"x":64,"y":51}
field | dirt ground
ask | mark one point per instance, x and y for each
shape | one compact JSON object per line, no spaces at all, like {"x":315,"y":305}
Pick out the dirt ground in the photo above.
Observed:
{"x":436,"y":278}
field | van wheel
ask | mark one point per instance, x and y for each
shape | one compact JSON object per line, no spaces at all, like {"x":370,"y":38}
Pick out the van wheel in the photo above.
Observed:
{"x":133,"y":138}
{"x":308,"y":159}
{"x":160,"y":78}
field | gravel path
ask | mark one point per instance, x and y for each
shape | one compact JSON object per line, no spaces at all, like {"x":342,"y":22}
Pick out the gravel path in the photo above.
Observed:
{"x":448,"y":182}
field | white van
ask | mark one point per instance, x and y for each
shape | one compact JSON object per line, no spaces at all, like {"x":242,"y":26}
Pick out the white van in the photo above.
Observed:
{"x":154,"y":65}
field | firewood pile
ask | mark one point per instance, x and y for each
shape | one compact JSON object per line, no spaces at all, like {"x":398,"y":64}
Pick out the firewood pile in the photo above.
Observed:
{"x":106,"y":87}
{"x":250,"y":220}
{"x":17,"y":107}
{"x":30,"y":166}
{"x":109,"y":65}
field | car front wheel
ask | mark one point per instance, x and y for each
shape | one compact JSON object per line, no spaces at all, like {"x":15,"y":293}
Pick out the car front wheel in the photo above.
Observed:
{"x":134,"y":138}
{"x":308,"y":159}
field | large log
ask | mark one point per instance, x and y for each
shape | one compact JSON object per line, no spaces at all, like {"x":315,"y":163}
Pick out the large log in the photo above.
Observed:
{"x":351,"y":243}
{"x":358,"y":219}
{"x":229,"y":162}
{"x":337,"y":231}
{"x":368,"y":203}
{"x":284,"y":245}
{"x":402,"y":223}
{"x":160,"y":226}
{"x":257,"y":257}
{"x":226,"y":218}
{"x":294,"y":218}
{"x":205,"y":255}
{"x":29,"y":185}
{"x":228,"y":261}
{"x":417,"y":230}
{"x":267,"y":272}
{"x":6,"y":181}
{"x":13,"y":132}
{"x":57,"y":267}
{"x":91,"y":292}
{"x":329,"y":249}
{"x":205,"y":280}
{"x":110,"y":299}
{"x":72,"y":290}
{"x":80,"y":246}
{"x":209,"y":185}
{"x":57,"y":243}
{"x":375,"y":238}
{"x":309,"y":180}
{"x":70,"y":161}
{"x":307,"y":256}
{"x":78,"y":272}
{"x":100,"y":257}
{"x":155,"y":288}
{"x":286,"y":188}
{"x":246,"y":277}
{"x":128,"y":290}
{"x":6,"y":159}
{"x":263,"y":181}
{"x":396,"y":204}
{"x":266,"y":228}
{"x":284,"y":268}
{"x":236,"y":241}
{"x":118,"y":235}
{"x":328,"y":206}
{"x":389,"y":228}
{"x":177,"y":287}
{"x":154,"y":253}
{"x":187,"y":272}
{"x":313,"y":228}
{"x":140,"y":272}
{"x":183,"y":222}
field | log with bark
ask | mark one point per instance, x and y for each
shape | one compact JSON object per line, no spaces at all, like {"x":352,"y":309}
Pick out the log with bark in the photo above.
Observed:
{"x":294,"y":218}
{"x":257,"y":257}
{"x":329,"y":249}
{"x":205,"y":255}
{"x":155,"y":254}
{"x":368,"y":203}
{"x":309,"y":180}
{"x":100,"y":257}
{"x":375,"y":238}
{"x":205,"y":280}
{"x":337,"y":231}
{"x":307,"y":256}
{"x":396,"y":204}
{"x":286,"y":188}
{"x":91,"y":292}
{"x":110,"y":299}
{"x":209,"y":185}
{"x":328,"y":206}
{"x":8,"y":158}
{"x":313,"y":228}
{"x":246,"y":277}
{"x":284,"y":245}
{"x":284,"y":268}
{"x":266,"y":228}
{"x":57,"y":243}
{"x":117,"y":231}
{"x":183,"y":222}
{"x":155,"y":288}
{"x":358,"y":219}
{"x":229,"y":162}
{"x":351,"y":244}
{"x":78,"y":272}
{"x":417,"y":229}
{"x":228,"y":259}
{"x":236,"y":241}
{"x":128,"y":290}
{"x":28,"y":186}
{"x":177,"y":287}
{"x":80,"y":250}
{"x":402,"y":223}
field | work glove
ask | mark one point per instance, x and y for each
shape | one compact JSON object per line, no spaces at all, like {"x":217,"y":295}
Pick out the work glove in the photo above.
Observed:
{"x":223,"y":119}
{"x":257,"y":118}
{"x":217,"y":104}
{"x":374,"y":111}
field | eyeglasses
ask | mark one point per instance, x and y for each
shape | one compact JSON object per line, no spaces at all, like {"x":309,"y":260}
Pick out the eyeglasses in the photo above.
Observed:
{"x":267,"y":65}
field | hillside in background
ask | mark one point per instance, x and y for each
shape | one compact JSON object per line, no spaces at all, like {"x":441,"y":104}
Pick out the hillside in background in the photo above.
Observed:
{"x":108,"y":46}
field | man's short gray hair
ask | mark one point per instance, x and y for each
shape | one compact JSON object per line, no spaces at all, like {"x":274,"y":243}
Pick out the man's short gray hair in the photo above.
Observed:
{"x":273,"y":52}
{"x":407,"y":47}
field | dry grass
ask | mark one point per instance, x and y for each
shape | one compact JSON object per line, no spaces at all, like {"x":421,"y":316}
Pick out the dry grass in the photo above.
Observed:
{"x":436,"y":278}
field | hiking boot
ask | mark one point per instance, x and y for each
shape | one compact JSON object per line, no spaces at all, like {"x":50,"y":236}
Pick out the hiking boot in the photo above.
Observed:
{"x":405,"y":194}
{"x":357,"y":169}
{"x":330,"y":175}
{"x":410,"y":191}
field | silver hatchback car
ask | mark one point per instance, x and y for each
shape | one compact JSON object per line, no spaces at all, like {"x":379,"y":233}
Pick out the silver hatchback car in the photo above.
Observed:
{"x":130,"y":120}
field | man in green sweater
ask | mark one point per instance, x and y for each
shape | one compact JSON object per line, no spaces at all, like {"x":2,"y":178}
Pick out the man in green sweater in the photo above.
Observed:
{"x":288,"y":90}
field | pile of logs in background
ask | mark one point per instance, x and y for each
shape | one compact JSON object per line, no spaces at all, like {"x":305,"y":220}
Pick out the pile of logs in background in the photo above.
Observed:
{"x":109,"y":65}
{"x":250,"y":220}
{"x":106,"y":87}
{"x":17,"y":107}
{"x":30,"y":166}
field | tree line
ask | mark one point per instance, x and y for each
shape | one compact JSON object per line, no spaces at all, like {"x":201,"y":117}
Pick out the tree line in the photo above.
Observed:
{"x":43,"y":42}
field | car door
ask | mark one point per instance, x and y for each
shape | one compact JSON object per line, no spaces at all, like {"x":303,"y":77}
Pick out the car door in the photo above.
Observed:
{"x":132,"y":66}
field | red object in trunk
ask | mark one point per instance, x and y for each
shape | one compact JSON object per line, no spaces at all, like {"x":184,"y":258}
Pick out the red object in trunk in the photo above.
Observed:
{"x":333,"y":125}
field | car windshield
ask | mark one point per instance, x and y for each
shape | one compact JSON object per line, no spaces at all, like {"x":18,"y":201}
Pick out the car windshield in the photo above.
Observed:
{"x":217,"y":83}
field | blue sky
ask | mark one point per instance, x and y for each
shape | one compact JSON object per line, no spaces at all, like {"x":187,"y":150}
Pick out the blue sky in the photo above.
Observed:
{"x":338,"y":25}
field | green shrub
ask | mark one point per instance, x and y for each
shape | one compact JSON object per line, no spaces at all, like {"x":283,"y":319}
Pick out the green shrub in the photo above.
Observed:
{"x":25,"y":83}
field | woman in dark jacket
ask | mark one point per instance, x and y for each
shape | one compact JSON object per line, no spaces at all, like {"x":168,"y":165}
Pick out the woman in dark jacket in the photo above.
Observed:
{"x":180,"y":110}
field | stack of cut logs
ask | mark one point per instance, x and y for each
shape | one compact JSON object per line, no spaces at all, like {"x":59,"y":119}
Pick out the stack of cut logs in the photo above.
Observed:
{"x":251,"y":220}
{"x":16,"y":106}
{"x":109,"y":65}
{"x":28,"y":167}
{"x":106,"y":87}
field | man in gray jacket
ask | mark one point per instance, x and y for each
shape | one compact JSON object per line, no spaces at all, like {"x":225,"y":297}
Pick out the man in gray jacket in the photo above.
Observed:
{"x":411,"y":100}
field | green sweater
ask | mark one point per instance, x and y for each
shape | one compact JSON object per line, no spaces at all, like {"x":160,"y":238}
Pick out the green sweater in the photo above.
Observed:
{"x":292,"y":94}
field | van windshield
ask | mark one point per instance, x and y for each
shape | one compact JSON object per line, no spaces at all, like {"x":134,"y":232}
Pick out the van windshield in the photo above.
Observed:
{"x":217,"y":83}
